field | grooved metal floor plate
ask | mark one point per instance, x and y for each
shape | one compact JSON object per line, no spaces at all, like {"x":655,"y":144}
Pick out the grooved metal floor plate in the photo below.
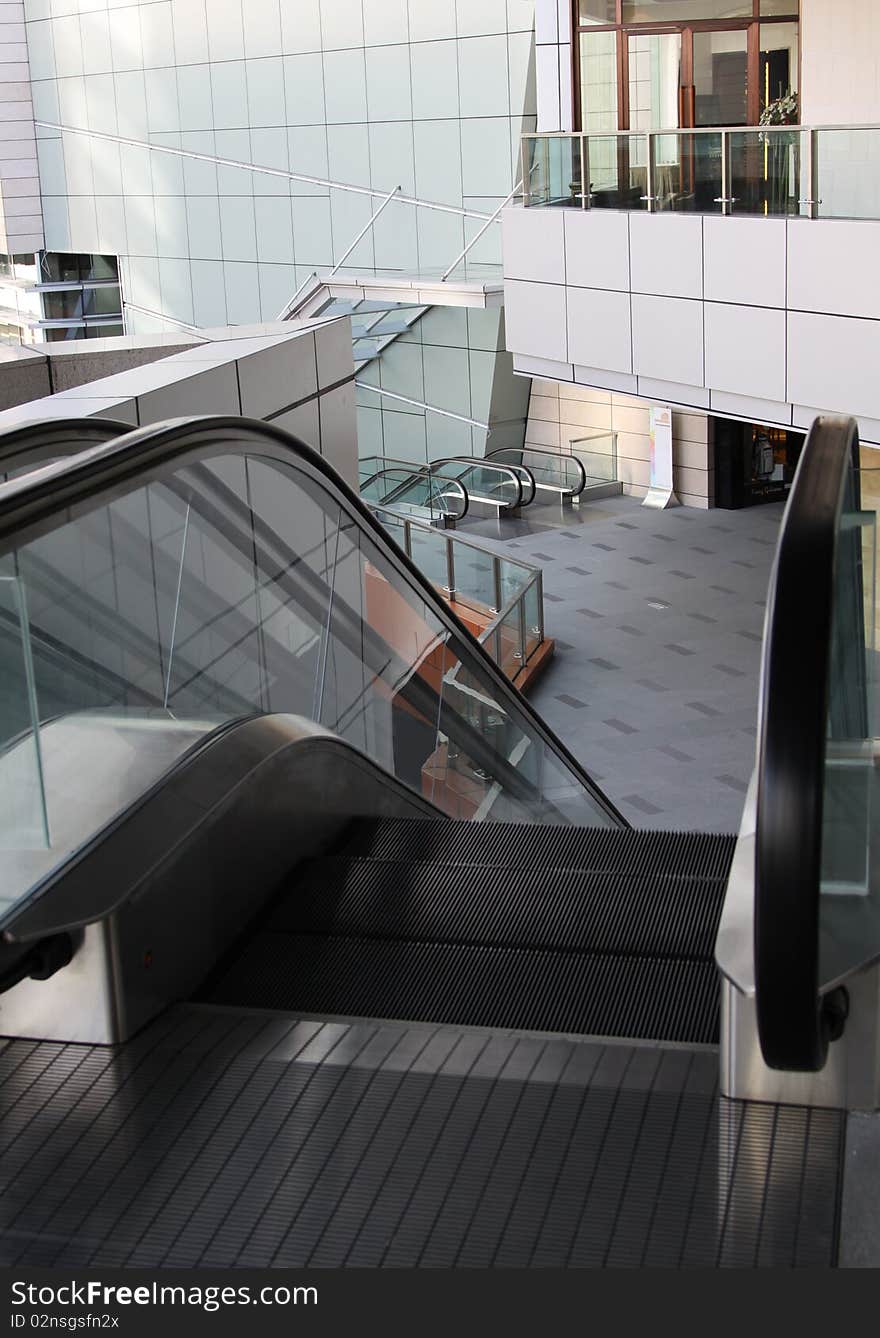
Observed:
{"x":220,"y":1137}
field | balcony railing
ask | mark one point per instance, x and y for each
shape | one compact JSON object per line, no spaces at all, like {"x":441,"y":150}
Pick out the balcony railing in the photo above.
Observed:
{"x":788,"y":171}
{"x":507,"y":592}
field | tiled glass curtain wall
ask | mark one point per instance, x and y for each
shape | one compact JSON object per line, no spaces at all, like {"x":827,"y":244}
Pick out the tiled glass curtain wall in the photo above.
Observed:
{"x":432,"y":95}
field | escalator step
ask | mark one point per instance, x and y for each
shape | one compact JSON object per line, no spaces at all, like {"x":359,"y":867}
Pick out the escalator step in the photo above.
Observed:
{"x":575,"y":909}
{"x":645,"y":998}
{"x":681,"y":854}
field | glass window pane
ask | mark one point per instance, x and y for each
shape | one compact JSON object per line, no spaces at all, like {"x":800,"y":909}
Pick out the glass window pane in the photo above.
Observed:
{"x":721,"y":78}
{"x":63,"y":306}
{"x":102,"y":301}
{"x":772,"y":7}
{"x":779,"y":70}
{"x":663,"y":11}
{"x":599,"y":81}
{"x":597,"y":11}
{"x":58,"y":268}
{"x":654,"y":80}
{"x":687,"y":172}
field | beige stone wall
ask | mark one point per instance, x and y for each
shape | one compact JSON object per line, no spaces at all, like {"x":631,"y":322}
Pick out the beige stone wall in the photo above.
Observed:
{"x":560,"y":412}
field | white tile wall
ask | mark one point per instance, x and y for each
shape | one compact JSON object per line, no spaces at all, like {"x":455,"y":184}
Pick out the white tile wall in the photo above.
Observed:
{"x":768,"y":347}
{"x":535,"y":319}
{"x":667,"y":337}
{"x":744,"y":260}
{"x":596,"y":248}
{"x":600,"y":329}
{"x":666,"y":254}
{"x":745,"y":350}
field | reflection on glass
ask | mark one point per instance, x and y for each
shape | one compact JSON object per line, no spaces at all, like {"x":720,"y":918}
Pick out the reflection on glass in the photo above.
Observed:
{"x":720,"y":78}
{"x":687,"y":171}
{"x":773,"y":7}
{"x":848,"y":173}
{"x":765,"y":171}
{"x":597,"y":11}
{"x":23,"y":818}
{"x":779,"y":62}
{"x":553,"y":171}
{"x":662,"y":11}
{"x":598,"y":72}
{"x":654,"y":80}
{"x":617,"y":171}
{"x":850,"y":904}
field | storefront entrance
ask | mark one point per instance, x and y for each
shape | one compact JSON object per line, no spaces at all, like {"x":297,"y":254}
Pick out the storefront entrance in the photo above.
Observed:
{"x":753,"y":463}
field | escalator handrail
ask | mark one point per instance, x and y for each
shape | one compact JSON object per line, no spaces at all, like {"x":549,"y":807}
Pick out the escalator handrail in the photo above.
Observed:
{"x":397,"y":494}
{"x":794,"y":1023}
{"x":478,"y":462}
{"x":46,"y":436}
{"x":556,"y":455}
{"x":33,"y":501}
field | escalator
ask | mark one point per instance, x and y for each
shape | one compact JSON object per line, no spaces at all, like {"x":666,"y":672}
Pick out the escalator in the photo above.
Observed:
{"x":567,"y":476}
{"x":503,"y":489}
{"x":319,"y":948}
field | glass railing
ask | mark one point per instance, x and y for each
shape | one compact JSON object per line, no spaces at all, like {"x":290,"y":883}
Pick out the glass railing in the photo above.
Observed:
{"x":597,"y":452}
{"x":414,"y":490}
{"x":552,"y":471}
{"x":190,"y":575}
{"x":505,"y":595}
{"x":771,"y":171}
{"x":507,"y":487}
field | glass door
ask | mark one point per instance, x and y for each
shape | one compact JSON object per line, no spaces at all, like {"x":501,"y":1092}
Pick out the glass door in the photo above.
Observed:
{"x":686,"y":79}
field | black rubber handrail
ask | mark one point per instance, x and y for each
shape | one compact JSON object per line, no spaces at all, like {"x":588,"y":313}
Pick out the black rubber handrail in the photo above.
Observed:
{"x":477,"y":462}
{"x":555,"y":455}
{"x":33,"y":502}
{"x":398,"y":494}
{"x":33,"y":444}
{"x":795,"y":1024}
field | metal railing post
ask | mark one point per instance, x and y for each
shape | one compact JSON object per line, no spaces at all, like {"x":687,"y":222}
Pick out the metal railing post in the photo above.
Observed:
{"x":288,"y":307}
{"x":496,"y":577}
{"x":407,"y":538}
{"x":650,"y":197}
{"x":586,"y":193}
{"x":524,"y":172}
{"x":364,"y":230}
{"x":813,"y":178}
{"x":726,"y":201}
{"x":539,"y":589}
{"x":450,"y":569}
{"x":477,"y":235}
{"x":522,"y":653}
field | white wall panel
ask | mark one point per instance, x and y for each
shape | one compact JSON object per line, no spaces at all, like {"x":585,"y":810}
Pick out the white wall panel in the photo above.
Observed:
{"x":668,"y":339}
{"x":599,"y":329}
{"x":744,"y":260}
{"x":832,"y":267}
{"x":745,"y":350}
{"x":596,"y":248}
{"x":534,"y":244}
{"x":535,"y":320}
{"x":666,"y":254}
{"x":833,"y":361}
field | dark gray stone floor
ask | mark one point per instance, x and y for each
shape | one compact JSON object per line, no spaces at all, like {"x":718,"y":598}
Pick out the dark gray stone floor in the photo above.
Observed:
{"x":658,"y":618}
